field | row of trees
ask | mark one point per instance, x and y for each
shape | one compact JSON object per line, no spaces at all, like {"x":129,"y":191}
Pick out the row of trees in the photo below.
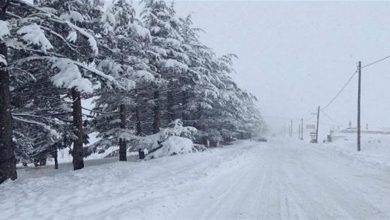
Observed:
{"x":145,"y":71}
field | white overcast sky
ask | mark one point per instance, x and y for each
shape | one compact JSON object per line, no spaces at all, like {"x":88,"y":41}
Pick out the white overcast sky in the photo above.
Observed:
{"x":295,"y":56}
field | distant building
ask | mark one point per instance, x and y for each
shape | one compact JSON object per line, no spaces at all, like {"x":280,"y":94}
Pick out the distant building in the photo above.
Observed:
{"x":354,"y":130}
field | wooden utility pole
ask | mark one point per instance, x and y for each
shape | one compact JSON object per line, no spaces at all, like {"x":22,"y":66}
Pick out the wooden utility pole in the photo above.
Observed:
{"x":318,"y":122}
{"x":301,"y":128}
{"x":358,"y":105}
{"x":299,"y":131}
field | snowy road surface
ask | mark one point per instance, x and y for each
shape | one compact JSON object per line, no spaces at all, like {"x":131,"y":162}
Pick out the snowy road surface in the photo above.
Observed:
{"x":282,"y":179}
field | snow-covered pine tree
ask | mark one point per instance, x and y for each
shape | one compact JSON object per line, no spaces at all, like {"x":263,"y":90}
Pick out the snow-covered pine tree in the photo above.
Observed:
{"x":7,"y":147}
{"x":42,"y":116}
{"x":218,"y":103}
{"x":252,"y":120}
{"x":87,"y":16}
{"x":228,"y":115}
{"x":197,"y":81}
{"x":204,"y":95}
{"x":57,"y":44}
{"x":39,"y":36}
{"x":166,"y":57}
{"x":194,"y":85}
{"x":127,"y":40}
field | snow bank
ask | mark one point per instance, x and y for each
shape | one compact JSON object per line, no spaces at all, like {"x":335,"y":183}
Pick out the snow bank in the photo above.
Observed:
{"x":375,"y":148}
{"x":172,"y":146}
{"x":107,"y":189}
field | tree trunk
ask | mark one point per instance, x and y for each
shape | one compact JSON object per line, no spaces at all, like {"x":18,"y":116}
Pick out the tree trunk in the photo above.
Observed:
{"x":138,"y":121}
{"x":184,"y":107}
{"x":122,"y":142}
{"x":7,"y":147}
{"x":137,"y":116}
{"x":54,"y":154}
{"x":156,"y":112}
{"x":171,"y":103}
{"x":77,"y":153}
{"x":56,"y":161}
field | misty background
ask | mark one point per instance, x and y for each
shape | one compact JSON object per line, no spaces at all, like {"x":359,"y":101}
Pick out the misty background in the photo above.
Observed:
{"x":295,"y":56}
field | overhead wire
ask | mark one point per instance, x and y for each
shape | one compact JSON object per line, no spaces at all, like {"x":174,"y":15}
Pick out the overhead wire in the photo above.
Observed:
{"x":376,"y":61}
{"x":350,"y":79}
{"x":340,"y":91}
{"x":348,"y":82}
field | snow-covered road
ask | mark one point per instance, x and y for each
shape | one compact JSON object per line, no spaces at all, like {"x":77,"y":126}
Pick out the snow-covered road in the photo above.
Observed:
{"x":282,"y":179}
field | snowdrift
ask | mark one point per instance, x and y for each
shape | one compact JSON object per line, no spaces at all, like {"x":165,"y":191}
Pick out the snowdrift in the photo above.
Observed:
{"x":172,"y":146}
{"x":375,"y":148}
{"x":173,"y":140}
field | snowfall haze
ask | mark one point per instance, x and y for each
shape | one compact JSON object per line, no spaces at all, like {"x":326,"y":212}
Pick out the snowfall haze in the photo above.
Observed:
{"x":295,"y":56}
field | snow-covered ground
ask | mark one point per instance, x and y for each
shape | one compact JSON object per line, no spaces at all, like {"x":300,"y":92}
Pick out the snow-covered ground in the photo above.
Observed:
{"x":281,"y":179}
{"x":375,"y":148}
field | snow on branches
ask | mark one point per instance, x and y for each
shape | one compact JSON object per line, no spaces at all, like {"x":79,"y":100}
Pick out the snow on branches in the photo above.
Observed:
{"x":34,"y":35}
{"x":69,"y":76}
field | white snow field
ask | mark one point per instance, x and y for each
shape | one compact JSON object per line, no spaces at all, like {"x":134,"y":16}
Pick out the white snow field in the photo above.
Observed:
{"x":281,"y":179}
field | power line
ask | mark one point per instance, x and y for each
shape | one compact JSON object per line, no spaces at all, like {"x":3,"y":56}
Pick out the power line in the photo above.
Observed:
{"x":340,"y":91}
{"x":376,"y":61}
{"x":350,"y":79}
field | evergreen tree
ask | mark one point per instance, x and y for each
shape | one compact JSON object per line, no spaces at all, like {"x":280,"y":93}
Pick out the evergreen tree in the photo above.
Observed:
{"x":166,"y":56}
{"x":127,"y":65}
{"x":7,"y":147}
{"x":40,"y":37}
{"x":145,"y":72}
